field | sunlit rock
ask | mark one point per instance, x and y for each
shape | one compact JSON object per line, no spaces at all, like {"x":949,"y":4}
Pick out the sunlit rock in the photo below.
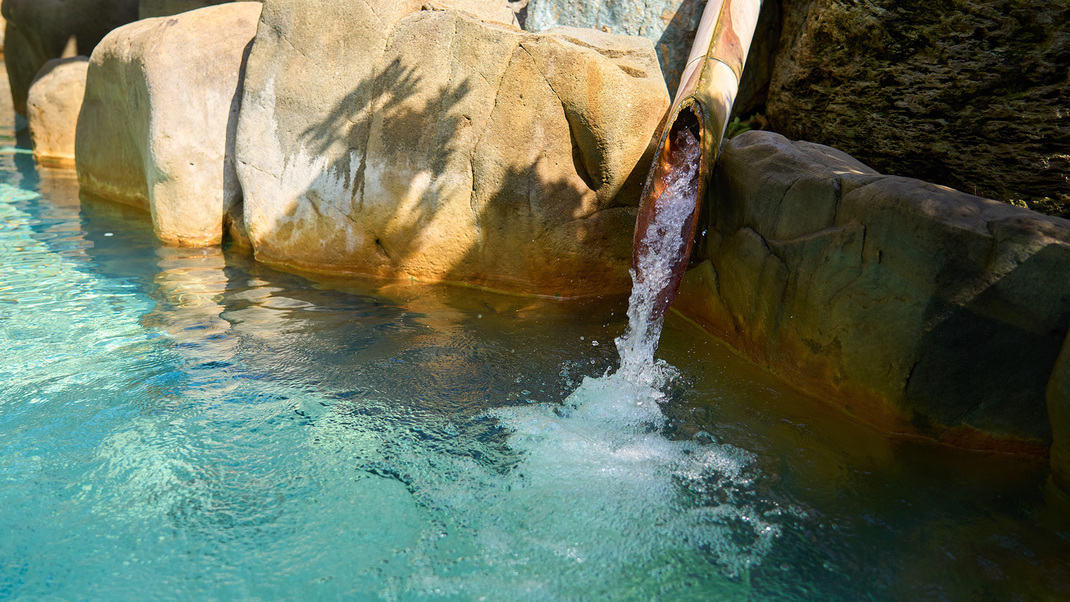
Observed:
{"x":52,"y":109}
{"x":165,"y":8}
{"x":432,"y":145}
{"x":40,"y":30}
{"x":156,"y":128}
{"x":914,"y":306}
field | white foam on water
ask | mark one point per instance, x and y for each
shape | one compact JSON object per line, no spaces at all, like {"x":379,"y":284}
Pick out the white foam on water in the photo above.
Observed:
{"x":599,"y":499}
{"x":599,"y":502}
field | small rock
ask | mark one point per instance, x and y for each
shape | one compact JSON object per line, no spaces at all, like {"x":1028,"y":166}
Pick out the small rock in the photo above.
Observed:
{"x":54,"y":101}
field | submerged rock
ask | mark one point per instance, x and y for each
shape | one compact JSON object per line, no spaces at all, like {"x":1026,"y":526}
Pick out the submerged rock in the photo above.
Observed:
{"x":156,"y":127}
{"x":52,"y":109}
{"x":40,"y":30}
{"x":916,"y":307}
{"x":385,"y":140}
{"x":968,"y":94}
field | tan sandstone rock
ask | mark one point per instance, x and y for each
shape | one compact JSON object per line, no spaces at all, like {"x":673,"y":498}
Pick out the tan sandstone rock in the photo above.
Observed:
{"x":916,"y":307}
{"x":40,"y":30}
{"x":431,"y":145}
{"x":52,"y":109}
{"x":156,"y":127}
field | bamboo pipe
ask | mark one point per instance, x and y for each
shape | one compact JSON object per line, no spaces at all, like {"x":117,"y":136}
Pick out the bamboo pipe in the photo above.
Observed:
{"x":702,"y":107}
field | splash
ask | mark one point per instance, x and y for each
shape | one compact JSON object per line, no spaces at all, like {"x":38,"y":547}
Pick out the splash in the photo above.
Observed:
{"x":597,"y":492}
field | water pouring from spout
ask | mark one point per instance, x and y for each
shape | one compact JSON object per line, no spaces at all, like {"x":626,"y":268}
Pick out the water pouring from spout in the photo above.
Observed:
{"x":679,"y":177}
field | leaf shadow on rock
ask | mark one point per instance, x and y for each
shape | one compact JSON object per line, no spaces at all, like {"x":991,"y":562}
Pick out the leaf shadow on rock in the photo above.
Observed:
{"x":430,"y":149}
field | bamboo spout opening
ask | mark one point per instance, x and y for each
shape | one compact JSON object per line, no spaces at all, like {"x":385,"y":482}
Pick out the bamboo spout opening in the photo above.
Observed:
{"x":678,"y":154}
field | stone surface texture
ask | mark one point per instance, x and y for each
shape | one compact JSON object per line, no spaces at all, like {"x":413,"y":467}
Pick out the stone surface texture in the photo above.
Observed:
{"x":918,"y":308}
{"x":156,"y":127}
{"x":52,"y":109}
{"x":40,"y":30}
{"x":969,"y":94}
{"x":165,"y":8}
{"x":386,"y":140}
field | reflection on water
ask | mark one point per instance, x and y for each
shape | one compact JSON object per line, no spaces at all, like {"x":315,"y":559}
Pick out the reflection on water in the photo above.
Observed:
{"x":189,"y":288}
{"x":183,"y":423}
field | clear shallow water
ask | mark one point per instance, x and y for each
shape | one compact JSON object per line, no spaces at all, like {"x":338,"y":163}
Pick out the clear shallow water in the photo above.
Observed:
{"x":181,"y":423}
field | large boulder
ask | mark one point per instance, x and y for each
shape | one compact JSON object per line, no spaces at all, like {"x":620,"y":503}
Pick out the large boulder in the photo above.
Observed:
{"x":148,"y":9}
{"x":379,"y":139}
{"x":916,"y":307}
{"x":52,"y":109}
{"x":40,"y":30}
{"x":967,"y":93}
{"x":156,"y":127}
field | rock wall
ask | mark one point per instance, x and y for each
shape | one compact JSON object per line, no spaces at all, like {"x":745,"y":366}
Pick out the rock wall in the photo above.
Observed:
{"x":919,"y":308}
{"x":156,"y":128}
{"x":969,"y":94}
{"x":40,"y":30}
{"x":502,"y":159}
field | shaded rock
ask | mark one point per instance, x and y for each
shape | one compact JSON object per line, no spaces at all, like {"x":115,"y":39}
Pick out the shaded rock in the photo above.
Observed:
{"x":40,"y":30}
{"x":499,"y":158}
{"x":917,"y":307}
{"x":156,"y":127}
{"x":52,"y":108}
{"x":1059,"y":412}
{"x":165,"y":8}
{"x":968,"y":94}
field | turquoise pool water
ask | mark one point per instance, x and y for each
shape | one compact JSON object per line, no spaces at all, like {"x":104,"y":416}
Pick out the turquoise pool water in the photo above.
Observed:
{"x":188,"y":424}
